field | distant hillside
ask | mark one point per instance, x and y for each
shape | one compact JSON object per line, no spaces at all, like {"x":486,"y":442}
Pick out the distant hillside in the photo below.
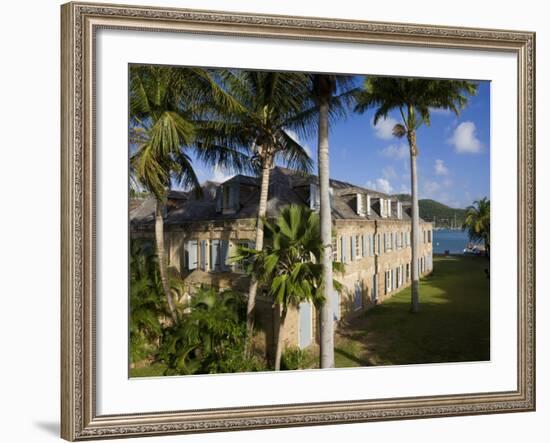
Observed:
{"x":444,"y":215}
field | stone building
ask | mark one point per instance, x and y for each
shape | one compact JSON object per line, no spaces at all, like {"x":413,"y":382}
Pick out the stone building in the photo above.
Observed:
{"x":372,"y":237}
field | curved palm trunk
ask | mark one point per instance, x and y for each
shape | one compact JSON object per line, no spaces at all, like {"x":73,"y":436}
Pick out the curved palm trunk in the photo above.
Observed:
{"x":414,"y":225}
{"x":280,"y":333}
{"x":326,"y":321}
{"x":262,"y":210}
{"x":159,"y":238}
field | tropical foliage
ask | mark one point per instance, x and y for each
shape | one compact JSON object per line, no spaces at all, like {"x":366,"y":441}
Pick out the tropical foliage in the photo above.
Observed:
{"x":294,"y":358}
{"x":289,"y":265}
{"x":146,"y":301}
{"x":165,"y":109}
{"x":265,"y":108}
{"x":248,"y":121}
{"x":478,"y":222}
{"x":210,"y":338}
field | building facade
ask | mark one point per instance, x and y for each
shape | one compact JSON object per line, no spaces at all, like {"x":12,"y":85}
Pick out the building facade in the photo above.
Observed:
{"x":371,"y":237}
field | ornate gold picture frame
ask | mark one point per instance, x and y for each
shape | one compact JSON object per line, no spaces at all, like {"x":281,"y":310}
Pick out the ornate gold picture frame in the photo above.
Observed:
{"x":80,"y":22}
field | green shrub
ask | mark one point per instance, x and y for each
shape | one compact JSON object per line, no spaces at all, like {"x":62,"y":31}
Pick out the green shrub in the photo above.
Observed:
{"x":210,"y":337}
{"x":294,"y":358}
{"x":146,"y":301}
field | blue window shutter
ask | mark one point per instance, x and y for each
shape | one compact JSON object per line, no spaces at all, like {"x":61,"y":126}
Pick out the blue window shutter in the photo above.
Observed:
{"x":214,"y":255}
{"x":353,"y":246}
{"x":365,"y":238}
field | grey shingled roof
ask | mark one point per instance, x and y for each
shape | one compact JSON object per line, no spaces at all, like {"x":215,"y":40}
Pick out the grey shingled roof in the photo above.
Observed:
{"x":286,"y":187}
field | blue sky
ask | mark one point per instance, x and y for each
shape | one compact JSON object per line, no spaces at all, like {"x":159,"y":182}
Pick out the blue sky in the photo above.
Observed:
{"x":453,"y":164}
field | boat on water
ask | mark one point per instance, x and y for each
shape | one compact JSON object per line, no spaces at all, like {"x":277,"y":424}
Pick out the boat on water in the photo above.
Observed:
{"x":474,"y":249}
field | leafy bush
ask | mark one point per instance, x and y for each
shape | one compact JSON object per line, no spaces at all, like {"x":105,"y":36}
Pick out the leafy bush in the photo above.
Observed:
{"x":146,"y":301}
{"x":294,"y":358}
{"x":210,"y":338}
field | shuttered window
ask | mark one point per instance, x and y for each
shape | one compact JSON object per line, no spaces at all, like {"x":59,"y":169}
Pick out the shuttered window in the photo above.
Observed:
{"x":192,"y":254}
{"x":343,"y":248}
{"x":215,"y":255}
{"x":204,"y":260}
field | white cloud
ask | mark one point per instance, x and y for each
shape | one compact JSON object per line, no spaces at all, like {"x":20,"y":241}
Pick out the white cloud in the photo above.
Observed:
{"x":396,"y":152}
{"x":465,"y":140}
{"x":380,"y":184}
{"x":440,"y":168}
{"x":383,"y":129}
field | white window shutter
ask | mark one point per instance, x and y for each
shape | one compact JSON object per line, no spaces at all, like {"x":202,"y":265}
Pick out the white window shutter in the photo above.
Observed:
{"x":192,"y":262}
{"x":343,"y":248}
{"x":368,"y":204}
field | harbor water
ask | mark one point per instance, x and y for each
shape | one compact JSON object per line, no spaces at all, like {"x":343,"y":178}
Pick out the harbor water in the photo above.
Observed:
{"x":450,"y":240}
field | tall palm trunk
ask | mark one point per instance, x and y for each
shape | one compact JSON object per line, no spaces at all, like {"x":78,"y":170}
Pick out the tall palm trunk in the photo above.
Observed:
{"x":280,"y":333}
{"x":262,"y":210}
{"x":161,"y":254}
{"x":411,"y":136}
{"x":327,"y":321}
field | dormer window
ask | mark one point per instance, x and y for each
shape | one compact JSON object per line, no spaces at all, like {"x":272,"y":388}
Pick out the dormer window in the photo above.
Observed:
{"x":314,"y":197}
{"x":361,"y":204}
{"x":368,"y":204}
{"x":399,"y":207}
{"x":385,"y":207}
{"x":230,"y":198}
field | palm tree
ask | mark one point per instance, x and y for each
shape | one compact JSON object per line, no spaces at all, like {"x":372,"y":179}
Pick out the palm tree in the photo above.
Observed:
{"x":164,"y":105}
{"x":478,"y":222}
{"x":324,"y":87}
{"x":266,"y":106}
{"x":413,"y":98}
{"x":289,"y":263}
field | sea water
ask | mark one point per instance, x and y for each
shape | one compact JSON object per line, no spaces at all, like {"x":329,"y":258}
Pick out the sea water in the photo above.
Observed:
{"x":453,"y":241}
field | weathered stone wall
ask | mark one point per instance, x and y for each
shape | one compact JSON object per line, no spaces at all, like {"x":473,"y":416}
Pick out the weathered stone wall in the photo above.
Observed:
{"x":359,"y":271}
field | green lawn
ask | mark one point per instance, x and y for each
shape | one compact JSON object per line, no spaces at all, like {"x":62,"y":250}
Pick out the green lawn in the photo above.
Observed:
{"x":153,"y":370}
{"x":452,"y":325}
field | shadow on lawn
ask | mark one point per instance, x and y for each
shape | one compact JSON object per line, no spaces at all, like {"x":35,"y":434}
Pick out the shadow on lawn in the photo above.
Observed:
{"x":452,"y":325}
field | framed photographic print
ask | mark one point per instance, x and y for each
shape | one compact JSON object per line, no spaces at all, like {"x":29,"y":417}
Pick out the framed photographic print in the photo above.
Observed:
{"x":282,"y":221}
